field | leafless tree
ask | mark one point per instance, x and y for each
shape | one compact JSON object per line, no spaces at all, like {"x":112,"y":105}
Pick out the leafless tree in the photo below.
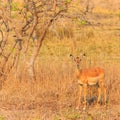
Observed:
{"x":35,"y":18}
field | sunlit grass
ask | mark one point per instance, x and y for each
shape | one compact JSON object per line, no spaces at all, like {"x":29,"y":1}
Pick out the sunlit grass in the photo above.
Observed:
{"x":54,"y":95}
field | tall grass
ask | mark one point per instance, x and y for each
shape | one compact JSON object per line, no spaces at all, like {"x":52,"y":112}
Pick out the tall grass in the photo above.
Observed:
{"x":54,"y":94}
{"x":55,"y":89}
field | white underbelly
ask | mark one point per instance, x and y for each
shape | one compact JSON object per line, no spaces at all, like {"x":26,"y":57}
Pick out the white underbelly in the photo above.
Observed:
{"x":91,"y":80}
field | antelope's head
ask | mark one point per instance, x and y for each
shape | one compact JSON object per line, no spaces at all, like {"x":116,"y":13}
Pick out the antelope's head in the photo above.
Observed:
{"x":78,"y":59}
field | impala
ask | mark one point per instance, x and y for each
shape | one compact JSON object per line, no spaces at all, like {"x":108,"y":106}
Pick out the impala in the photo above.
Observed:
{"x":89,"y":77}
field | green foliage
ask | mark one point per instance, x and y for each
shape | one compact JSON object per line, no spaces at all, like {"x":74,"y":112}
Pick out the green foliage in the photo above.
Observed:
{"x":119,"y":14}
{"x":14,"y":6}
{"x":72,"y":114}
{"x":119,"y":113}
{"x":2,"y":117}
{"x":80,"y":22}
{"x":83,"y":22}
{"x":14,"y":15}
{"x":67,"y":1}
{"x":56,"y":118}
{"x":89,"y":118}
{"x":29,"y":15}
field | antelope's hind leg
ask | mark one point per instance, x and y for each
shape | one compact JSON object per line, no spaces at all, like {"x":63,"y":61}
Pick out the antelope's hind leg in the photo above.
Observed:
{"x":102,"y":91}
{"x":79,"y":96}
{"x":105,"y":95}
{"x":85,"y":96}
{"x":99,"y":96}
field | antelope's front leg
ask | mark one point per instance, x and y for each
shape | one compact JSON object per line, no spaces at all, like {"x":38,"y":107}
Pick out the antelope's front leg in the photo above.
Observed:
{"x":104,"y":95}
{"x":79,"y":96}
{"x":85,"y":96}
{"x":99,"y":96}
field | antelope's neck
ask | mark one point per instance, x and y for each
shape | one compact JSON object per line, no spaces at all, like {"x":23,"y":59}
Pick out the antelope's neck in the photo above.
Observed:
{"x":78,"y":72}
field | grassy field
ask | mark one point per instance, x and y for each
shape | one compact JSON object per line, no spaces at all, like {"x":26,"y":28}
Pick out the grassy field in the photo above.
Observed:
{"x":54,"y":95}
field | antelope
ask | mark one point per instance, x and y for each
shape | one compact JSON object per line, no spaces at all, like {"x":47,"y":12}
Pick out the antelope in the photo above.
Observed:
{"x":89,"y":77}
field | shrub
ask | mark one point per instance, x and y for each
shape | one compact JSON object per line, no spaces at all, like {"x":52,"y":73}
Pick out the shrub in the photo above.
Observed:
{"x":14,"y":6}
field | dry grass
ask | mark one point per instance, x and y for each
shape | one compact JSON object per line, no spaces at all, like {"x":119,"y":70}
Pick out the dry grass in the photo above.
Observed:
{"x":54,"y":95}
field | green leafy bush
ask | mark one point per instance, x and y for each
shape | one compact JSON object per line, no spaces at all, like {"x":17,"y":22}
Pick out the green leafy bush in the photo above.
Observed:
{"x":14,"y":6}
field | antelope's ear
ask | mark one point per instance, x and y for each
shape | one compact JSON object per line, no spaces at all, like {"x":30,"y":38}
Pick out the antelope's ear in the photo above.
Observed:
{"x":84,"y":55}
{"x":72,"y":56}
